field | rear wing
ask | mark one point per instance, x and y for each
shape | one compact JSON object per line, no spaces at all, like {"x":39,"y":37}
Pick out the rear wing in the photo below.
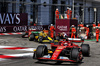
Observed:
{"x":76,"y":39}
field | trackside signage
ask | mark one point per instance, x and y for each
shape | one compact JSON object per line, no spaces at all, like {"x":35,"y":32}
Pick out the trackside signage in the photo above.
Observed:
{"x":26,"y":28}
{"x":21,"y":28}
{"x":62,"y":25}
{"x":13,"y":22}
{"x":62,"y":28}
{"x":16,"y":22}
{"x":9,"y":19}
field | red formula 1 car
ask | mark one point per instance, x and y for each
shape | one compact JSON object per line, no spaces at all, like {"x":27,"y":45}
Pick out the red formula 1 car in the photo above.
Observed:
{"x":62,"y":52}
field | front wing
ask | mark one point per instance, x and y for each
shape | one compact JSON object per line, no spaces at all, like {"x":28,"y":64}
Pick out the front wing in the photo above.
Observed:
{"x":49,"y":59}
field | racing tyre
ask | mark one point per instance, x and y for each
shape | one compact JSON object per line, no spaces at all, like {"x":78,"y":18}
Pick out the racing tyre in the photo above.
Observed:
{"x":31,"y":38}
{"x":85,"y":49}
{"x":41,"y":51}
{"x":76,"y":55}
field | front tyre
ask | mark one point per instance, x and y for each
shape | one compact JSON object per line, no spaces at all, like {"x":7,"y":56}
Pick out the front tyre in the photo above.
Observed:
{"x":76,"y":55}
{"x":41,"y":51}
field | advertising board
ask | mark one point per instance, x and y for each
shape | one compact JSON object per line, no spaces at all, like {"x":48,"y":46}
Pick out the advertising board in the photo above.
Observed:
{"x":13,"y":22}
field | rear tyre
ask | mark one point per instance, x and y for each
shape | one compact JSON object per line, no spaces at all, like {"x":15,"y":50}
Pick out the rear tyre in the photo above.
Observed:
{"x":31,"y":37}
{"x":85,"y":49}
{"x":76,"y":55}
{"x":41,"y":51}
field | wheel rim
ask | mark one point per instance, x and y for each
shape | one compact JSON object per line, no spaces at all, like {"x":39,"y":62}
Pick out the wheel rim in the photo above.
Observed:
{"x":80,"y":56}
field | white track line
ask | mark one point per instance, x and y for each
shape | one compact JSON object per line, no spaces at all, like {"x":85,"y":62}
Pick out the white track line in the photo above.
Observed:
{"x":5,"y":46}
{"x":26,"y":49}
{"x":23,"y":55}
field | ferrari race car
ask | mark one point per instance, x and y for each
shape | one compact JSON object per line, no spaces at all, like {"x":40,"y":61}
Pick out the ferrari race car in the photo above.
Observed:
{"x":64,"y":51}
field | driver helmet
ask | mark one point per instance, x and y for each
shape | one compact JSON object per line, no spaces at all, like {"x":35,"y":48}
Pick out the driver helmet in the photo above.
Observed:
{"x":65,"y":43}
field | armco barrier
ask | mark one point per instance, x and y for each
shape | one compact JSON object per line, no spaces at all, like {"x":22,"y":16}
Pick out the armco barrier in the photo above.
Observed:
{"x":11,"y":33}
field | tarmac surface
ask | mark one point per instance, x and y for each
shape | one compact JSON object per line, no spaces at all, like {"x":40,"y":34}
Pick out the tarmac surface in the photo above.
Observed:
{"x":16,"y":40}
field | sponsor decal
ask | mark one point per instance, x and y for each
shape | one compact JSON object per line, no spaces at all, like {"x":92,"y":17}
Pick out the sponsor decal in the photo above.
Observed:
{"x":3,"y":29}
{"x":16,"y":22}
{"x":19,"y":28}
{"x":7,"y":29}
{"x":62,"y":28}
{"x":60,"y":47}
{"x":9,"y":18}
{"x":36,"y":27}
{"x":58,"y":50}
{"x":12,"y":19}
